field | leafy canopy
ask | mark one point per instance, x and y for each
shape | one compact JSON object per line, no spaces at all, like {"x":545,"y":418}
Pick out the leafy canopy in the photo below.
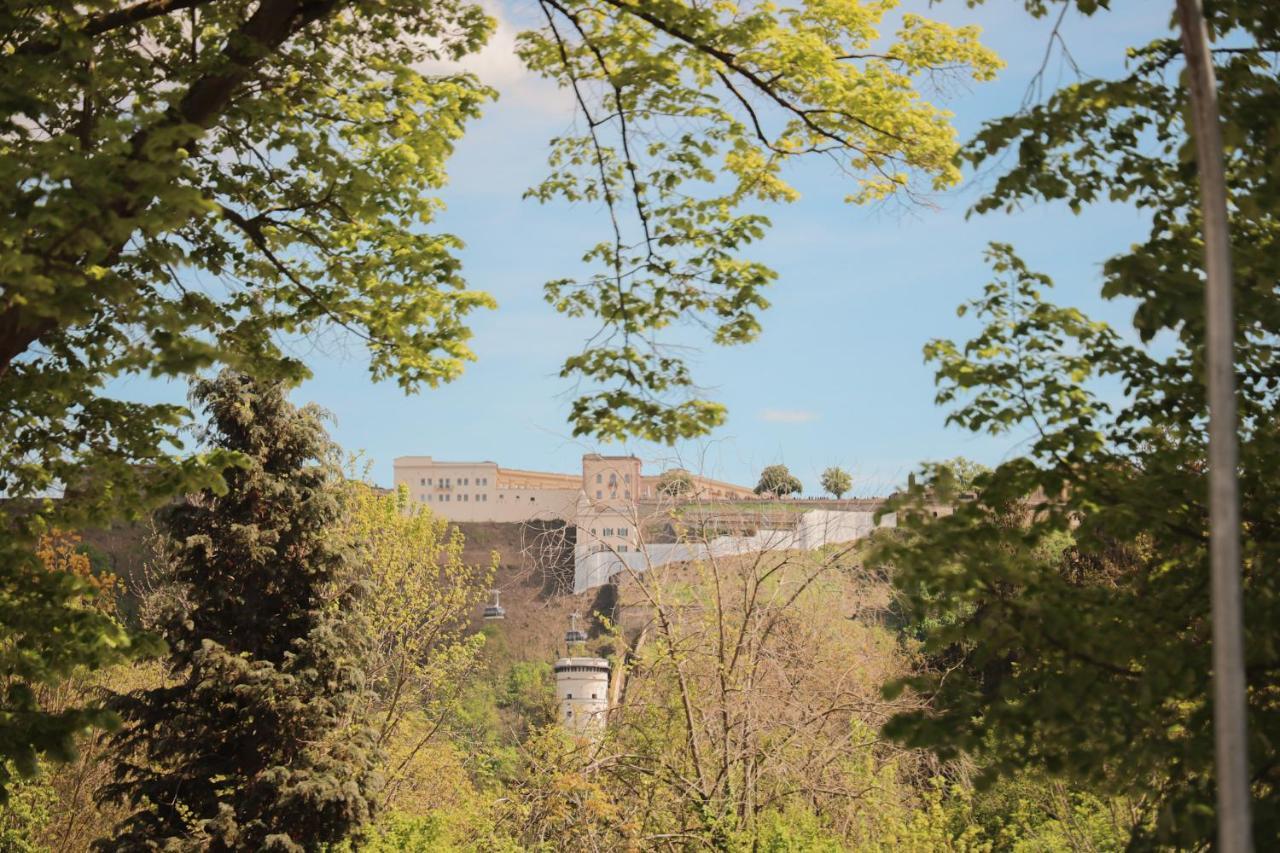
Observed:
{"x":185,"y":183}
{"x":777,"y":480}
{"x":690,"y":114}
{"x":188,"y":184}
{"x":675,"y":483}
{"x":1069,"y":597}
{"x":836,"y":481}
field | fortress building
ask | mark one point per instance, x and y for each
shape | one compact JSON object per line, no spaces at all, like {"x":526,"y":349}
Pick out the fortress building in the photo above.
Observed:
{"x":612,"y":498}
{"x":484,"y":491}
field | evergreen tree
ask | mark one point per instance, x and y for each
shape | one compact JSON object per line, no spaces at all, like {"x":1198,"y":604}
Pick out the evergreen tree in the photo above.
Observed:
{"x":250,"y":747}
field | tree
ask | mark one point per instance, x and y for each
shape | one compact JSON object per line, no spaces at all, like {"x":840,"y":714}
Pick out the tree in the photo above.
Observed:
{"x":777,"y":481}
{"x":420,"y":597}
{"x":836,"y":481}
{"x":676,"y":483}
{"x":751,"y":698}
{"x":691,"y":113}
{"x":187,"y":180}
{"x":1068,"y":598}
{"x":962,"y":473}
{"x":1080,"y":571}
{"x":251,"y":745}
{"x":184,"y":181}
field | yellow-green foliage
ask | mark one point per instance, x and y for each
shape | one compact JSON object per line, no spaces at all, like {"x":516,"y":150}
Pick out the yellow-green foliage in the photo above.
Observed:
{"x":692,"y":112}
{"x":420,"y":596}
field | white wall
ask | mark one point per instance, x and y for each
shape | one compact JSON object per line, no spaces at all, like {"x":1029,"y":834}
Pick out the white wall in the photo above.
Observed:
{"x":814,"y":529}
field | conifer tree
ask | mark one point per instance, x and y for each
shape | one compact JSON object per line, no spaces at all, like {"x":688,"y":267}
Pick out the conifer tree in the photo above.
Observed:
{"x":250,"y":746}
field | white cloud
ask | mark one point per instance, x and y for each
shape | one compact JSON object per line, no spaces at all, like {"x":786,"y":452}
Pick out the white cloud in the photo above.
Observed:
{"x":788,"y":416}
{"x":497,"y":65}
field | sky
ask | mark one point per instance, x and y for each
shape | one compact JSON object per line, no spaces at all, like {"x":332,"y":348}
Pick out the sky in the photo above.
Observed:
{"x":836,"y":378}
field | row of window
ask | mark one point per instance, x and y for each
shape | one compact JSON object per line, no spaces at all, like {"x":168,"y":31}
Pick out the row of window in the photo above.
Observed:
{"x":479,"y":497}
{"x":612,"y":495}
{"x":613,"y":479}
{"x":446,"y":481}
{"x":445,"y":498}
{"x":597,"y":549}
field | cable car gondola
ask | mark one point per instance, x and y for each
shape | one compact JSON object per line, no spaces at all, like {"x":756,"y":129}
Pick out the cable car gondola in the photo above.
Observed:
{"x":495,"y":610}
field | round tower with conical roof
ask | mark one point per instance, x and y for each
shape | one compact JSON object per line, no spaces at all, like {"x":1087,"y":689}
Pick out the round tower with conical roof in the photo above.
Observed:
{"x":582,"y":684}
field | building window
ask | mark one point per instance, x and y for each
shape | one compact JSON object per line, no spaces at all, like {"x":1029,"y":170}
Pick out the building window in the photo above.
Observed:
{"x":628,"y":494}
{"x":622,"y":531}
{"x":622,"y":549}
{"x":613,"y":495}
{"x":598,"y":478}
{"x":593,"y":695}
{"x":608,"y":531}
{"x":422,"y":498}
{"x":530,"y":498}
{"x":599,"y":494}
{"x":568,"y":695}
{"x":422,"y":481}
{"x":626,"y":478}
{"x":593,"y":531}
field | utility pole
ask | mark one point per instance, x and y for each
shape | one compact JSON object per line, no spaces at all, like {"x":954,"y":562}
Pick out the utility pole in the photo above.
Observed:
{"x":1230,"y":704}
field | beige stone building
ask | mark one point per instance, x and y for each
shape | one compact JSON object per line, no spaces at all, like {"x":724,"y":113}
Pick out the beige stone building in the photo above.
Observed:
{"x":610,"y":487}
{"x":483,"y":491}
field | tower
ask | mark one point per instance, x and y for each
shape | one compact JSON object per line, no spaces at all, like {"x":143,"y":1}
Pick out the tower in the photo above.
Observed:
{"x":582,"y":685}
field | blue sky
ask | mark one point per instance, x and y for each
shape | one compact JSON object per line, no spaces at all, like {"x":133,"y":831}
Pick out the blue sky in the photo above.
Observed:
{"x":837,"y":376}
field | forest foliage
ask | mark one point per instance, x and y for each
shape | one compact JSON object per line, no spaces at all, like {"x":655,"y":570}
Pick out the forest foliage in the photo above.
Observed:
{"x":192,"y":183}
